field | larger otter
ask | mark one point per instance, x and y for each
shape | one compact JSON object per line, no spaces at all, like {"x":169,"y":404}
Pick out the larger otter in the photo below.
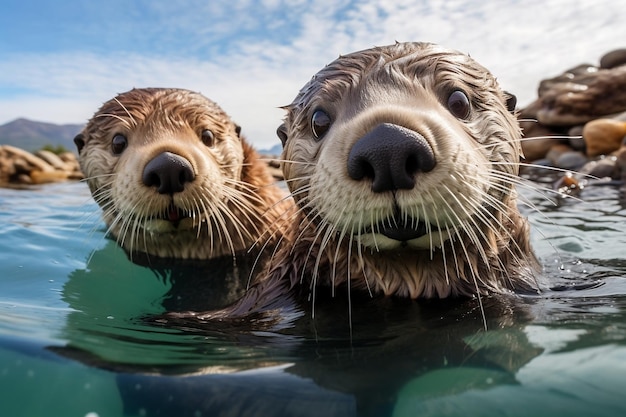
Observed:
{"x":174,"y":177}
{"x":403,"y":162}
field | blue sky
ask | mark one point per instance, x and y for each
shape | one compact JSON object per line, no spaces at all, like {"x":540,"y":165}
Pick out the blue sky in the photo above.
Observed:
{"x":61,"y":60}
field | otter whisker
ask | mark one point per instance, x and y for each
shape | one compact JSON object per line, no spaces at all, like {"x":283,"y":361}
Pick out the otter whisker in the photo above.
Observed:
{"x":360,"y":253}
{"x":314,"y":275}
{"x":97,"y":177}
{"x":292,"y":162}
{"x":130,"y":115}
{"x":114,"y":116}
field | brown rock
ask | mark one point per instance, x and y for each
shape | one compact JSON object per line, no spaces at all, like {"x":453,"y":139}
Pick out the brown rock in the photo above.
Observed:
{"x":567,"y":77}
{"x":52,"y":159}
{"x":32,"y":160}
{"x":23,"y":179}
{"x":75,"y":175}
{"x":603,"y":136}
{"x":613,"y":59}
{"x":579,"y":98}
{"x":42,"y":177}
{"x":21,"y":166}
{"x":7,"y":167}
{"x":537,"y":140}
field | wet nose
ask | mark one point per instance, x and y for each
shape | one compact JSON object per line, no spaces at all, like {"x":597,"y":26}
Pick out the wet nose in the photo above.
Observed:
{"x":168,"y":172}
{"x":390,"y":155}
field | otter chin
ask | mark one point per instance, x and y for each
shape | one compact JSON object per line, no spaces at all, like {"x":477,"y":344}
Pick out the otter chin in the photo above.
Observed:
{"x":403,"y":162}
{"x":176,"y":179}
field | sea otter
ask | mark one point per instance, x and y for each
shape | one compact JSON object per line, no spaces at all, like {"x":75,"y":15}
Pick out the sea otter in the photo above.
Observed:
{"x":403,"y":162}
{"x":176,"y":179}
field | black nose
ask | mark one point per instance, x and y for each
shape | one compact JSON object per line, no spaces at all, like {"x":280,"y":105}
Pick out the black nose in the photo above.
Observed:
{"x":168,"y":172}
{"x":390,"y":156}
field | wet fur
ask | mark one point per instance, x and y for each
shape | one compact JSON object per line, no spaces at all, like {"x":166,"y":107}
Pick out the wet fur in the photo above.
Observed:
{"x":232,"y":202}
{"x":470,"y":196}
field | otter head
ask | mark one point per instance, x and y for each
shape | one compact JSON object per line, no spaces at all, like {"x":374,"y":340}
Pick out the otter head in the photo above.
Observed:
{"x":407,"y":148}
{"x":164,"y":165}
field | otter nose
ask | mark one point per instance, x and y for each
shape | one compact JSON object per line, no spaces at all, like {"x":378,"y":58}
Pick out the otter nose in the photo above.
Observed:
{"x":390,"y":156}
{"x":168,"y":172}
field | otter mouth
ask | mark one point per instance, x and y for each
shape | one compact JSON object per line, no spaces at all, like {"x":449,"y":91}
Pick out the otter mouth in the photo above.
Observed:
{"x":402,"y":229}
{"x":171,"y":220}
{"x":174,"y":214}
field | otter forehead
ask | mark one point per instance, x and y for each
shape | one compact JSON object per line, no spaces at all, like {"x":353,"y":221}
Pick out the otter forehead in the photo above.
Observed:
{"x":403,"y":66}
{"x":160,"y":109}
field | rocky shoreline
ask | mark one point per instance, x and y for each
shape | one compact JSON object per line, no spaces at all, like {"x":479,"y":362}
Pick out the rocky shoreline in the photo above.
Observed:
{"x":577,"y":123}
{"x":20,"y":167}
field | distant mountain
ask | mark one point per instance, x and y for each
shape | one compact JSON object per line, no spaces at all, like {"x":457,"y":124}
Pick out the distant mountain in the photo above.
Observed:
{"x":32,"y":136}
{"x":273,"y":151}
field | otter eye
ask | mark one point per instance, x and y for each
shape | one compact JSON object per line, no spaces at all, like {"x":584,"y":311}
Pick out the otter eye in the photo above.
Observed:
{"x":320,"y":123}
{"x":119,"y":143}
{"x":207,"y":137}
{"x":459,"y":104}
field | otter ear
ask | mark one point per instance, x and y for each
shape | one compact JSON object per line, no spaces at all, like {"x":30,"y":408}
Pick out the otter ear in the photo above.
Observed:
{"x":238,"y":130}
{"x":79,"y":140}
{"x":282,"y":133}
{"x":511,"y":101}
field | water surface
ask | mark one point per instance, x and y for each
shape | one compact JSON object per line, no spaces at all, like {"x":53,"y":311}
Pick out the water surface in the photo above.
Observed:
{"x":72,"y":341}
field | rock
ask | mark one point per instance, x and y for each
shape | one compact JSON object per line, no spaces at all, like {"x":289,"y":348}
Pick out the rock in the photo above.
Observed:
{"x":620,"y":164}
{"x":603,"y":136}
{"x":51,"y":158}
{"x":36,"y":163}
{"x":22,"y":167}
{"x":43,"y":177}
{"x":23,"y":179}
{"x":568,"y":185}
{"x":575,"y":138}
{"x":556,"y":151}
{"x":599,"y":168}
{"x":567,"y":77}
{"x":613,"y":59}
{"x":578,"y":98}
{"x":571,"y":160}
{"x":537,"y":138}
{"x":537,"y":147}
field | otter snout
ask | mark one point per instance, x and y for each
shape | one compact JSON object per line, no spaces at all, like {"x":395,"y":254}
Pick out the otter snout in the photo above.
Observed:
{"x":167,"y":172}
{"x":390,"y":155}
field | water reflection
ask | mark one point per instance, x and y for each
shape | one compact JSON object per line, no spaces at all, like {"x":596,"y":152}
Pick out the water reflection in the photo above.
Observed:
{"x":346,"y":362}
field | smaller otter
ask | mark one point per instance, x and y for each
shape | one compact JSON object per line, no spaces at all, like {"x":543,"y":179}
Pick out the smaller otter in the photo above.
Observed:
{"x":175,"y":179}
{"x":403,"y":162}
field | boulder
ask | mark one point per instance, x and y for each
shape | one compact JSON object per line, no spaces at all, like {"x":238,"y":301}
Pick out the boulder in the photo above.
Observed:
{"x":603,"y":136}
{"x":580,"y":97}
{"x":21,"y":167}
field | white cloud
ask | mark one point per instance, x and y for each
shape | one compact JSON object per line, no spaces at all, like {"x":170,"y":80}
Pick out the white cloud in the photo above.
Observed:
{"x":521,"y":43}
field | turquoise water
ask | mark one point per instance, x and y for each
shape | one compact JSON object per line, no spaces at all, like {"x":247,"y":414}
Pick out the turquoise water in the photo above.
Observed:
{"x":73,"y":342}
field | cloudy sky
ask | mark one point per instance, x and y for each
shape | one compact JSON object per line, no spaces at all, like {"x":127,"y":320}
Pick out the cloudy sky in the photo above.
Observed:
{"x":59,"y":61}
